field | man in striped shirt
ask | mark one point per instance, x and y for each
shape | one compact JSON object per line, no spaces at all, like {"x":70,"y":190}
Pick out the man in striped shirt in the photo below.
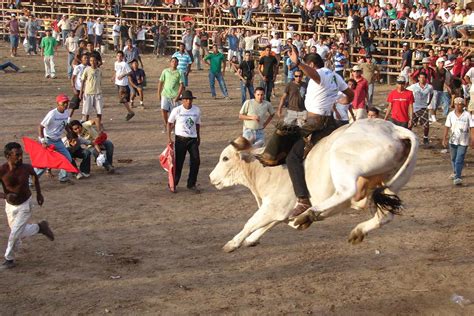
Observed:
{"x":184,"y":62}
{"x":339,"y":61}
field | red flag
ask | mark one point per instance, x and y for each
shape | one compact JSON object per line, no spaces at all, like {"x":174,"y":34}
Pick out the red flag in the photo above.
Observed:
{"x":167,"y":162}
{"x":46,"y":157}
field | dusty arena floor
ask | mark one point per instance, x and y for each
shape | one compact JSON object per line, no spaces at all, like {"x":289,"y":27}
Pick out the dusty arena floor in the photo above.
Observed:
{"x":125,"y":245}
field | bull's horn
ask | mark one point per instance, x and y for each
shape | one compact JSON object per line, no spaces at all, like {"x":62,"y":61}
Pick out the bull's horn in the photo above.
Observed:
{"x":241,"y":143}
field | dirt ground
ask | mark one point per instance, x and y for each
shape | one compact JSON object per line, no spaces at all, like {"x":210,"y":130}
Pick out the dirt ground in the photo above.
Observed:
{"x":125,"y":245}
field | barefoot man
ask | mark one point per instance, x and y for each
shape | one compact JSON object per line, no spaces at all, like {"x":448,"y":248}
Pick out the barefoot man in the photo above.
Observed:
{"x":14,"y":175}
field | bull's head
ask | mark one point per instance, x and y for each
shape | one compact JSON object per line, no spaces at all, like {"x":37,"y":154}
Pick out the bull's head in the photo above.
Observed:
{"x":229,"y":171}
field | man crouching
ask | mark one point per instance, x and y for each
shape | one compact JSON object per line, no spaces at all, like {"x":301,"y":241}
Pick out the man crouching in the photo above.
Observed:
{"x":14,"y":175}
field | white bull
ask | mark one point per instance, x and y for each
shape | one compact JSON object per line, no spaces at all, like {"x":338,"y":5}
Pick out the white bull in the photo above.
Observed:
{"x":341,"y":170}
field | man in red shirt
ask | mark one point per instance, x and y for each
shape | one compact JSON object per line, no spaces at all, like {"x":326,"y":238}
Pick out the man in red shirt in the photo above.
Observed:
{"x":400,"y":105}
{"x":361,"y":93}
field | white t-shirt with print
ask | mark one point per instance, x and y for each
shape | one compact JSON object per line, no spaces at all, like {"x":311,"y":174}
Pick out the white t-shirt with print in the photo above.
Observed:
{"x":78,"y":70}
{"x":98,"y":29}
{"x":470,"y":74}
{"x":321,"y":97}
{"x":54,"y":123}
{"x":121,"y":68}
{"x":185,"y":121}
{"x":276,"y":45}
{"x":459,"y":128}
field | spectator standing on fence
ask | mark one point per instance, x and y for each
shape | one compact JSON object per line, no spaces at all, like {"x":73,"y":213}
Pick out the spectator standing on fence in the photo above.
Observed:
{"x":48,"y":50}
{"x":268,"y":68}
{"x":371,"y":72}
{"x":120,"y":78}
{"x":99,"y":28}
{"x":31,"y":31}
{"x":71,"y":46}
{"x":141,"y":37}
{"x":155,"y":32}
{"x":422,"y":93}
{"x":217,"y":64}
{"x":246,"y":74}
{"x":458,"y":129}
{"x":184,"y":62}
{"x":116,"y":35}
{"x":14,"y":31}
{"x":170,"y":87}
{"x":65,"y":26}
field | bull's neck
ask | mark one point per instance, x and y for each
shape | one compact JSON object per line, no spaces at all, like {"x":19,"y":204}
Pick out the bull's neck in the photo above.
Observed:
{"x":250,"y":173}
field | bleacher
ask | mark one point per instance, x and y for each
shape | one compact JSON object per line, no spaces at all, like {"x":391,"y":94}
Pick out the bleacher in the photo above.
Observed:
{"x":389,"y":45}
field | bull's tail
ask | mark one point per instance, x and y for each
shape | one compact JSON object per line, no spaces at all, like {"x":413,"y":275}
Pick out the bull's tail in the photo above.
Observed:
{"x":386,"y":200}
{"x":397,"y":181}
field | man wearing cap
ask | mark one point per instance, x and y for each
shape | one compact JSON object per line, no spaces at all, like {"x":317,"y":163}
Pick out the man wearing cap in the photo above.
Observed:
{"x":361,"y":93}
{"x":50,"y":131}
{"x":116,"y":35}
{"x":459,"y":126}
{"x":14,"y":30}
{"x":48,"y":50}
{"x":407,"y":55}
{"x":98,"y":28}
{"x":186,"y":122}
{"x":440,"y":81}
{"x":425,"y":69}
{"x":422,"y":94}
{"x":400,"y":105}
{"x":370,"y":71}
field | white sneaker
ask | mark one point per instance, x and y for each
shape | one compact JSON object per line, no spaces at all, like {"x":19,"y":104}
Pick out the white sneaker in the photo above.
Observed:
{"x":452,"y":176}
{"x":81,"y":175}
{"x":457,"y":181}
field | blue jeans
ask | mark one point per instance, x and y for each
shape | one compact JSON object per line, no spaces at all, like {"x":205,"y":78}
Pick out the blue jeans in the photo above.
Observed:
{"x":368,"y":21}
{"x":268,"y":86}
{"x":60,"y":148}
{"x":32,"y":44}
{"x":186,"y":82}
{"x":70,"y":58}
{"x":64,"y":34}
{"x":109,"y":153}
{"x":85,"y":156}
{"x":370,"y":94}
{"x":255,"y":136}
{"x":248,"y":15}
{"x":220,"y":80}
{"x":243,"y":90}
{"x":8,"y":64}
{"x":14,"y":40}
{"x":457,"y":158}
{"x":430,"y":29}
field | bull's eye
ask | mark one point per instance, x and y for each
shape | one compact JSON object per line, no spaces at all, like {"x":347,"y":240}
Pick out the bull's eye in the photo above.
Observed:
{"x":225,"y":158}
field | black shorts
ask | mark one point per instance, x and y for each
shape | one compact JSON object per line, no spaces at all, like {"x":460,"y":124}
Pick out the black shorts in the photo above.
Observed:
{"x":74,"y":103}
{"x":124,"y":94}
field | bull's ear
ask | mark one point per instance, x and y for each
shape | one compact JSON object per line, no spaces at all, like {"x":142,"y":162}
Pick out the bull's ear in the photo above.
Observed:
{"x":246,"y":156}
{"x":241,"y":143}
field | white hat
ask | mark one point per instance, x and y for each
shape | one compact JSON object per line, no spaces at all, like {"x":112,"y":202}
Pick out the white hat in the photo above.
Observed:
{"x":405,"y":44}
{"x":440,"y":60}
{"x":425,"y":60}
{"x":13,"y":14}
{"x":356,"y":68}
{"x":401,"y":79}
{"x":449,"y":64}
{"x":459,"y":100}
{"x":100,"y":160}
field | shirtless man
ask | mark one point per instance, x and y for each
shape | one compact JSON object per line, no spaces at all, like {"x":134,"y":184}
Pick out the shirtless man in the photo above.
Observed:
{"x":14,"y":175}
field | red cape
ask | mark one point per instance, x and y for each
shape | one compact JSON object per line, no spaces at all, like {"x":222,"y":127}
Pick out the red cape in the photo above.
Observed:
{"x":168,"y":163}
{"x":46,"y":157}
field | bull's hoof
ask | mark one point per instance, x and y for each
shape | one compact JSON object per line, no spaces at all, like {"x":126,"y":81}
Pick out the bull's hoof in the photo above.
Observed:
{"x":229,"y":247}
{"x":356,"y":236}
{"x":252,"y":243}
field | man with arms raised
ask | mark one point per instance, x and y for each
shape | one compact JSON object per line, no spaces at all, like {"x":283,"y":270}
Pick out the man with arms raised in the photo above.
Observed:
{"x":14,"y":175}
{"x":321,"y":94}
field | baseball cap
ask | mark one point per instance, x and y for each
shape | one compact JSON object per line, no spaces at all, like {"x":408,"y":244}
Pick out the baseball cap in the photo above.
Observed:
{"x":405,"y":44}
{"x":356,"y":68}
{"x":13,"y":14}
{"x":459,"y":100}
{"x":401,"y":79}
{"x":440,"y":60}
{"x":425,"y":60}
{"x":62,"y":98}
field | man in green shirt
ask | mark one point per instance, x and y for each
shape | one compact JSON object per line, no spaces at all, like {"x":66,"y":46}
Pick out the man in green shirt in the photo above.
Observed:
{"x":216,"y":61}
{"x":170,"y":86}
{"x":48,"y":50}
